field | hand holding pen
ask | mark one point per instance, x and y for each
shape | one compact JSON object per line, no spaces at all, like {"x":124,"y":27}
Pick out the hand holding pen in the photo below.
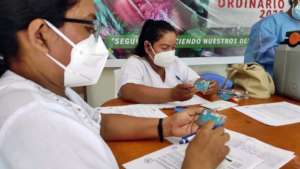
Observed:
{"x":182,"y":91}
{"x":208,"y":142}
{"x":203,"y":118}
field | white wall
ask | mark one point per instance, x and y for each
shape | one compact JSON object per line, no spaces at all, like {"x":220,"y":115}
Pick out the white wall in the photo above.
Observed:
{"x":104,"y":90}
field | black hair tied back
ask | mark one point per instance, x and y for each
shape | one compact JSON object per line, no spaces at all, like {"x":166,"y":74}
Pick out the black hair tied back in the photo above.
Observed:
{"x":152,"y":31}
{"x":8,"y":42}
{"x":3,"y":65}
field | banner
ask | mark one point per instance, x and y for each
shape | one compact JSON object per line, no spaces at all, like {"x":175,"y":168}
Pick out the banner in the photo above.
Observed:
{"x":242,"y":13}
{"x":207,"y":27}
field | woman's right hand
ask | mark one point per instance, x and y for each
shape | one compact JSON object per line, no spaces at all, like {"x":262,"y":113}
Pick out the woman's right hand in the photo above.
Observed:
{"x":208,"y":148}
{"x":183,"y":92}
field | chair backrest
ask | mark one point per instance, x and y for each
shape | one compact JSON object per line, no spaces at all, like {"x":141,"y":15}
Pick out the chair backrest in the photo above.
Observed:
{"x":286,"y":71}
{"x":117,"y":74}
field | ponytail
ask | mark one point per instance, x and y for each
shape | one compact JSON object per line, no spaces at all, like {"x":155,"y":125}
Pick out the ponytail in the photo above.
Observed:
{"x":3,"y":66}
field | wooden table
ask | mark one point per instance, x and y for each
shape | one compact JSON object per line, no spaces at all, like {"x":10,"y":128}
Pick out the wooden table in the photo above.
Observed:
{"x":286,"y":137}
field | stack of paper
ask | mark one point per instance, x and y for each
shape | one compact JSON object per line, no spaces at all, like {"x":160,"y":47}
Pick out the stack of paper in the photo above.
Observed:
{"x":273,"y":114}
{"x":219,"y":105}
{"x":245,"y":153}
{"x":173,"y":156}
{"x":149,"y":110}
{"x":195,"y":100}
{"x":134,"y":110}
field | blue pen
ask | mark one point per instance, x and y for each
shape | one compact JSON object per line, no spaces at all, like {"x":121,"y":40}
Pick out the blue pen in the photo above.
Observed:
{"x":187,"y":138}
{"x":228,"y":159}
{"x":178,"y":78}
{"x":179,"y":109}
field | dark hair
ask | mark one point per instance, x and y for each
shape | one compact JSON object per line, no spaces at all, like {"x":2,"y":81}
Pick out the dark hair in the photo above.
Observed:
{"x":291,"y":2}
{"x":152,"y":31}
{"x":16,"y":15}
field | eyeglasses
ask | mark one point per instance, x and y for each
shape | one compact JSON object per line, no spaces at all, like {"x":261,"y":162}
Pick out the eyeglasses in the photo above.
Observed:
{"x":94,"y":23}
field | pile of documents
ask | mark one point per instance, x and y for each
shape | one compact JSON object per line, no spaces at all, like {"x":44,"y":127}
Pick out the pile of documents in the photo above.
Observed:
{"x":245,"y":153}
{"x":134,"y":110}
{"x":219,"y":105}
{"x":195,"y":100}
{"x":153,"y":110}
{"x":149,"y":110}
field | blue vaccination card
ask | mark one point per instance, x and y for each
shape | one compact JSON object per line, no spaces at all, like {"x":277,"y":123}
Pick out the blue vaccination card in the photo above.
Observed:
{"x":202,"y":85}
{"x":208,"y":115}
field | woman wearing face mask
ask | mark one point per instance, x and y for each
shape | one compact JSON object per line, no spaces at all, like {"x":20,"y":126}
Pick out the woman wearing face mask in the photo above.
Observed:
{"x":269,"y":32}
{"x":155,"y":74}
{"x":46,"y":47}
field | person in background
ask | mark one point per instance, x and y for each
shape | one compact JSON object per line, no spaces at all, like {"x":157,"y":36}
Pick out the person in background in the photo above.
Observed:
{"x":154,"y":74}
{"x":48,"y":47}
{"x":268,"y":33}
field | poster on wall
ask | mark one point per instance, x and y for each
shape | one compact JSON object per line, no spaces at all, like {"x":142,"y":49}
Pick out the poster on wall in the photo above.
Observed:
{"x":207,"y":28}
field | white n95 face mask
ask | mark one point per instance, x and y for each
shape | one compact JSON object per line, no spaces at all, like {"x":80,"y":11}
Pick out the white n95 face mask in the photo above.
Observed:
{"x":87,"y":62}
{"x":164,"y":59}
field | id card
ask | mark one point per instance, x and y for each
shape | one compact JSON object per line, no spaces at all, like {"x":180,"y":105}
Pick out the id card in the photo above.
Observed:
{"x":202,"y":85}
{"x":208,"y":115}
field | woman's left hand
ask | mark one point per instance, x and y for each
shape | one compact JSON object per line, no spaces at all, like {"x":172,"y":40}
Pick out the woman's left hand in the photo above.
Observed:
{"x":212,"y":90}
{"x":183,"y":123}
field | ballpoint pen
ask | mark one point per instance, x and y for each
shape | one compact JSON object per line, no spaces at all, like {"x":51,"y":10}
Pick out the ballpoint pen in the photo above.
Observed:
{"x":178,"y":78}
{"x":187,"y":138}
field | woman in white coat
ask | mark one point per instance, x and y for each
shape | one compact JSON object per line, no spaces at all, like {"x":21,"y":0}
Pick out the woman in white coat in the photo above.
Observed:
{"x":154,"y":74}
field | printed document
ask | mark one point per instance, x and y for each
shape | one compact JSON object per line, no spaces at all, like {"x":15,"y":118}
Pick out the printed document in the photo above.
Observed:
{"x":134,"y":110}
{"x":273,"y":114}
{"x":245,"y":153}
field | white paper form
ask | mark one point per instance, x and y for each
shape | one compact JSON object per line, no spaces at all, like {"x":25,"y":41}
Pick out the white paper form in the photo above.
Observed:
{"x":245,"y":152}
{"x":237,"y":159}
{"x":272,"y":157}
{"x":273,"y":114}
{"x":219,"y":105}
{"x":172,"y":157}
{"x":235,"y":138}
{"x":134,"y":110}
{"x":195,"y":100}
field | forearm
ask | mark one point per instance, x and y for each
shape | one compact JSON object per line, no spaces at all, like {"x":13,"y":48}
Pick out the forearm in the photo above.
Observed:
{"x":144,"y":94}
{"x":121,"y":127}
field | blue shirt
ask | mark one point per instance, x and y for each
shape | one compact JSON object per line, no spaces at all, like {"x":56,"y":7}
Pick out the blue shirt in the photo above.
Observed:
{"x":265,"y":36}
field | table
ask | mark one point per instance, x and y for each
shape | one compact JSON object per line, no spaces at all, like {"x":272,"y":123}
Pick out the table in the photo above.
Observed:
{"x":286,"y":137}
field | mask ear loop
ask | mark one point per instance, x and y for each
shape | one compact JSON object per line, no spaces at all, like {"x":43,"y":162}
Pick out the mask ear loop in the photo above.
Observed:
{"x":62,"y":36}
{"x":57,"y":62}
{"x":152,"y":50}
{"x":56,"y":30}
{"x":65,"y":68}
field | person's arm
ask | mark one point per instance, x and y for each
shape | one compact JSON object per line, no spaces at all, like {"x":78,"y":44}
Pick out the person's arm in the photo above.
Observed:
{"x":120,"y":127}
{"x":144,"y":94}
